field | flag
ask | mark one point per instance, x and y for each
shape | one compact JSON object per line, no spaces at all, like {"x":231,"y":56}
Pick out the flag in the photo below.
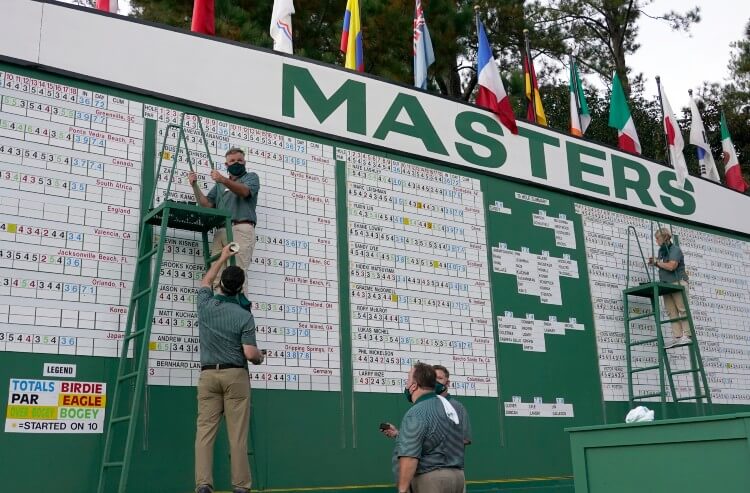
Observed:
{"x":281,"y":25}
{"x":203,"y":17}
{"x":351,"y":38}
{"x":698,"y":138}
{"x":423,"y":54}
{"x":532,"y":84}
{"x":732,"y":171}
{"x":107,"y":5}
{"x":675,"y":142}
{"x":492,"y":94}
{"x":580,"y":117}
{"x":619,"y":118}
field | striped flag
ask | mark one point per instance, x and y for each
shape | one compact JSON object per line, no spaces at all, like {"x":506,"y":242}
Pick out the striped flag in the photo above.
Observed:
{"x":675,"y":142}
{"x":580,"y":117}
{"x":107,"y":5}
{"x":732,"y":171}
{"x":203,"y":17}
{"x":698,"y":139}
{"x":620,"y":118}
{"x":492,"y":94}
{"x":351,"y":38}
{"x":423,"y":54}
{"x":534,"y":110}
{"x":281,"y":26}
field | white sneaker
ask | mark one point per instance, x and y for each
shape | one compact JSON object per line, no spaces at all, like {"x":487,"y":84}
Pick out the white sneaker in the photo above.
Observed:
{"x":674,"y":342}
{"x":685,"y":340}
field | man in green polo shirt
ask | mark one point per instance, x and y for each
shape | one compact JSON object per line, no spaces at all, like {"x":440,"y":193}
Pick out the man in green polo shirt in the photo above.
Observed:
{"x":429,"y":446}
{"x":671,"y":264}
{"x":236,"y":193}
{"x":227,"y":342}
{"x":443,"y":379}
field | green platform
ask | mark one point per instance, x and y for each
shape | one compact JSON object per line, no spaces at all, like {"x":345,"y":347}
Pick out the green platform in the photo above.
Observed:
{"x":688,"y":455}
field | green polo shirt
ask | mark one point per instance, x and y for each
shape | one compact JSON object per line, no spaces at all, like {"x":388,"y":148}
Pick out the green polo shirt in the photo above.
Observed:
{"x":427,"y":434}
{"x":223,"y":327}
{"x":463,"y":418}
{"x":672,"y":252}
{"x":241,"y":208}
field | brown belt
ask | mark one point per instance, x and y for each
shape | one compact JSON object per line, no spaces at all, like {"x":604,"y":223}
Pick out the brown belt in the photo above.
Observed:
{"x":244,"y":222}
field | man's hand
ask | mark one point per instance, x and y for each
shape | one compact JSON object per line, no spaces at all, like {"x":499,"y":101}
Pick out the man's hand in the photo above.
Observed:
{"x":651,"y":261}
{"x":391,"y":431}
{"x":192,"y":178}
{"x":218,"y":177}
{"x":259,"y":360}
{"x":226,"y":252}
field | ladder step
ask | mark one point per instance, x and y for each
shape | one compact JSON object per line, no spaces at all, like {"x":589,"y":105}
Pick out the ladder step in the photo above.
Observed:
{"x":121,"y":419}
{"x":128,"y":376}
{"x":148,"y":254}
{"x":678,"y":319}
{"x":682,"y":372}
{"x":135,"y":334}
{"x":141,"y":294}
{"x":643,"y":341}
{"x":630,"y":319}
{"x":645,"y":368}
{"x":114,"y":464}
{"x":702,"y":396}
{"x":646,"y":396}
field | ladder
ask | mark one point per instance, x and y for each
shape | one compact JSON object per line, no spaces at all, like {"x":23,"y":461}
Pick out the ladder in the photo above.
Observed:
{"x":131,"y":372}
{"x":652,"y":290}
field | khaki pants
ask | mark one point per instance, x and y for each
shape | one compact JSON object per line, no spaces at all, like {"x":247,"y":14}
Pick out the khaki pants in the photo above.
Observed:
{"x":224,"y":392}
{"x":439,"y":481}
{"x":676,"y":308}
{"x":242,"y":234}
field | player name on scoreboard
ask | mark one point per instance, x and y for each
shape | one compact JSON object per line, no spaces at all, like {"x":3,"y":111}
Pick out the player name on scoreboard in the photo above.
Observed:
{"x":419,"y":281}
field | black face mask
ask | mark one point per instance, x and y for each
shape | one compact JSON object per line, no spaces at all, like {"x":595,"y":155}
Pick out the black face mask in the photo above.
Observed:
{"x":439,"y":388}
{"x":236,"y":169}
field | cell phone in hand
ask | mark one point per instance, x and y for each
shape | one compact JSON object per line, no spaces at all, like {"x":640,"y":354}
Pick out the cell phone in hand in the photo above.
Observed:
{"x":385,"y":426}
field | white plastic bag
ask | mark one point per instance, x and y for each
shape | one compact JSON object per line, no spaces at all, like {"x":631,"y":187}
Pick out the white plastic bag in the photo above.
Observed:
{"x":640,"y":413}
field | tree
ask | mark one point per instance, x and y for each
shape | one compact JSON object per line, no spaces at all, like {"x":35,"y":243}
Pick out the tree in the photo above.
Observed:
{"x":603,"y":32}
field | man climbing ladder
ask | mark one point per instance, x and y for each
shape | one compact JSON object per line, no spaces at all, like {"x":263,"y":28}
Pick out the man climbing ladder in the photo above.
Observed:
{"x":671,"y":264}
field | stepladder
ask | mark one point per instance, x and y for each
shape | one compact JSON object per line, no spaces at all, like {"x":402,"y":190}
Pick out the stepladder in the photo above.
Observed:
{"x":162,"y":215}
{"x":695,"y":388}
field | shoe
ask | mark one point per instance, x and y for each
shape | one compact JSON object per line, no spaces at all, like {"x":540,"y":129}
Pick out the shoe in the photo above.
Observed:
{"x":674,"y":343}
{"x":204,"y":488}
{"x":686,"y":340}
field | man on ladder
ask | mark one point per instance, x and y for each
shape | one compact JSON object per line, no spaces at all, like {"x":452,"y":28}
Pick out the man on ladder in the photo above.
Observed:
{"x":237,"y":194}
{"x":671,"y":264}
{"x":227,"y":343}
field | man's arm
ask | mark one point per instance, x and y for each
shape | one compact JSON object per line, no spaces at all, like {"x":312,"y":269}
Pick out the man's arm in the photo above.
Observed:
{"x":208,"y":279}
{"x":253,"y":354}
{"x":234,"y":186}
{"x":407,"y":467}
{"x":202,"y":200}
{"x":669,"y":265}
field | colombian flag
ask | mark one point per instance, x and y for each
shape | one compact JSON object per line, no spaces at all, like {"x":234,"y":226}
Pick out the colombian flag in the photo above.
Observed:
{"x":351,"y":38}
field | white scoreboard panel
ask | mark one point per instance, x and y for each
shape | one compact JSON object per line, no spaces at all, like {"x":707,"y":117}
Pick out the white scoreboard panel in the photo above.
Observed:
{"x":70,"y":166}
{"x":293,"y":279}
{"x":719,"y":297}
{"x":419,"y":275}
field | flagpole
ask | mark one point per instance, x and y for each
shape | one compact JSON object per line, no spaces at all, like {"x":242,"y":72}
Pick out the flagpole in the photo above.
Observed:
{"x":527,"y":45}
{"x":664,"y":130}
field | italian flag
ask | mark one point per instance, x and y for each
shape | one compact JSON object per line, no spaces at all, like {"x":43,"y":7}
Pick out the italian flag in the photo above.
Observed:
{"x":580,"y":117}
{"x":732,"y":172}
{"x":619,"y":118}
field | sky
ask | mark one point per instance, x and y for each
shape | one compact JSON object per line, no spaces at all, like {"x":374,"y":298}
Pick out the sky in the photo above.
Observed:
{"x":682,"y":60}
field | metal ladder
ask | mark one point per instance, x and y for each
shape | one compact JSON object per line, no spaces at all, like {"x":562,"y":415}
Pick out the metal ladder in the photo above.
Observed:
{"x":131,"y":372}
{"x":652,"y":290}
